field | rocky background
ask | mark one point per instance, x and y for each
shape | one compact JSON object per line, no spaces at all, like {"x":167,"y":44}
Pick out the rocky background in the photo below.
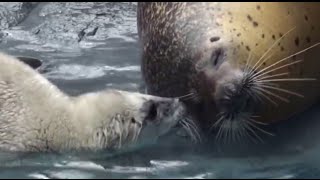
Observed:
{"x":84,"y":46}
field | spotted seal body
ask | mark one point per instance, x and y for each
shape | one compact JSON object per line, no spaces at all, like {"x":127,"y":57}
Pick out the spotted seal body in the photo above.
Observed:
{"x":241,"y":61}
{"x":36,"y":116}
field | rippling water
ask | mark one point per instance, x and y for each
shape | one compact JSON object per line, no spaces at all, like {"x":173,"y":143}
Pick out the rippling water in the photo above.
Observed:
{"x":114,"y":63}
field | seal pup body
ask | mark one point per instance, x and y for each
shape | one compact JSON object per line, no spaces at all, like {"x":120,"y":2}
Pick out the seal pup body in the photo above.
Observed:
{"x":240,"y":60}
{"x":36,"y":116}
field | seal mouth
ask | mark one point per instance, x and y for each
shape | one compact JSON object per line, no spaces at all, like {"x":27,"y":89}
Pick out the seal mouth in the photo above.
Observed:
{"x":237,"y":102}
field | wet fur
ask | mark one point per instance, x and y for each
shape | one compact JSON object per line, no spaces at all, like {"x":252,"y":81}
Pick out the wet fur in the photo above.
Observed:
{"x":36,"y":116}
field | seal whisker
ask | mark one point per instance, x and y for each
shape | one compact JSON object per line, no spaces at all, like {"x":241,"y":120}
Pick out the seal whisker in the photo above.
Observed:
{"x":272,"y":94}
{"x":245,"y":133}
{"x":246,"y":70}
{"x":272,"y":76}
{"x":288,"y":79}
{"x":217,"y":122}
{"x":219,"y":134}
{"x":229,"y":131}
{"x":253,"y":132}
{"x":275,"y":43}
{"x":282,"y":90}
{"x":225,"y":128}
{"x":253,"y":125}
{"x":254,"y":121}
{"x":189,"y":130}
{"x":257,"y":91}
{"x":190,"y":123}
{"x":233,"y":132}
{"x":299,"y":52}
{"x":261,"y":73}
{"x":185,"y":96}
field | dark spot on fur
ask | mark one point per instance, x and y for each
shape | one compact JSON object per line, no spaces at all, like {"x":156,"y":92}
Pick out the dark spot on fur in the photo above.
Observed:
{"x":248,"y":48}
{"x":234,"y":29}
{"x":279,"y":44}
{"x":288,"y":12}
{"x":255,"y":24}
{"x":282,"y":48}
{"x":264,"y":63}
{"x":229,"y":13}
{"x":306,"y":17}
{"x":213,"y":39}
{"x":249,"y":18}
{"x":239,"y":34}
{"x":273,"y":37}
{"x":258,"y":7}
{"x":230,"y":21}
{"x":280,"y":34}
{"x":308,"y":39}
{"x":242,"y":43}
{"x":256,"y":44}
{"x":296,"y":41}
{"x":262,"y":35}
{"x":312,"y":27}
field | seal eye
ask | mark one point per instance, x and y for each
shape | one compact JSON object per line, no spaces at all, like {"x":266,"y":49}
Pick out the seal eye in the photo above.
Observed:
{"x":152,"y":114}
{"x":133,"y":120}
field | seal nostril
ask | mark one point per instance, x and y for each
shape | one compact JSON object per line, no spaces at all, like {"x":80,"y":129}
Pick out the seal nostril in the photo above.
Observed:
{"x":217,"y":57}
{"x":214,"y":39}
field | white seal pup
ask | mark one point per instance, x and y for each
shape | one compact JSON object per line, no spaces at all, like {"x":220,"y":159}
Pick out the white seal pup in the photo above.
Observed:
{"x":36,"y":116}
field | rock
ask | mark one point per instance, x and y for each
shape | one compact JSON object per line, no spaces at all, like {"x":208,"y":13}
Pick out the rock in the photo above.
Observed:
{"x":12,"y":13}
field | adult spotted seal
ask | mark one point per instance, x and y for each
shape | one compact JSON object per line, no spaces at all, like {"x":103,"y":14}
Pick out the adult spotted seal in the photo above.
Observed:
{"x":245,"y":64}
{"x":36,"y":116}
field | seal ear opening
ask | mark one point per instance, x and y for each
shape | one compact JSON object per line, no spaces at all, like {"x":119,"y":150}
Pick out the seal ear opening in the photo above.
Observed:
{"x":32,"y":62}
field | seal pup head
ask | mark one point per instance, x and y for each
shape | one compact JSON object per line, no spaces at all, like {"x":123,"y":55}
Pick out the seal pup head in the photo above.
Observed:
{"x":118,"y":119}
{"x":51,"y":120}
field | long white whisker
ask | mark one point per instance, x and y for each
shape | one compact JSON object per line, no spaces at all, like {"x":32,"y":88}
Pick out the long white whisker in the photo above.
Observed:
{"x":257,"y":91}
{"x":263,"y":62}
{"x":254,"y":121}
{"x":194,"y":128}
{"x":254,"y":67}
{"x":272,"y":94}
{"x":272,"y":76}
{"x":288,"y":79}
{"x":217,"y":122}
{"x":185,"y":95}
{"x":261,"y":73}
{"x":188,"y":129}
{"x":249,"y":123}
{"x":247,"y":64}
{"x":295,"y":54}
{"x":253,"y":132}
{"x":282,"y":90}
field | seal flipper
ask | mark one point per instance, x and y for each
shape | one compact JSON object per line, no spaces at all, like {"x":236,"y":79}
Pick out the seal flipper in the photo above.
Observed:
{"x":32,"y":62}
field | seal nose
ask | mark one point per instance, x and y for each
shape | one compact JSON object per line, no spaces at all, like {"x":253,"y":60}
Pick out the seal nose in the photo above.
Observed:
{"x":217,"y":57}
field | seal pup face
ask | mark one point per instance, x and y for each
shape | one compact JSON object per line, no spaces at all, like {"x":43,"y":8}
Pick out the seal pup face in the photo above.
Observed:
{"x":120,"y":119}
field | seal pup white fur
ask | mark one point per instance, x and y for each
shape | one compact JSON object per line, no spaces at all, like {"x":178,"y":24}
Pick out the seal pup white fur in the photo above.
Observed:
{"x":36,"y":116}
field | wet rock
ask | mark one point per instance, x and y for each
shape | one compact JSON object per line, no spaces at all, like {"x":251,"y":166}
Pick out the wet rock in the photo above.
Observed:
{"x":70,"y":22}
{"x":12,"y":13}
